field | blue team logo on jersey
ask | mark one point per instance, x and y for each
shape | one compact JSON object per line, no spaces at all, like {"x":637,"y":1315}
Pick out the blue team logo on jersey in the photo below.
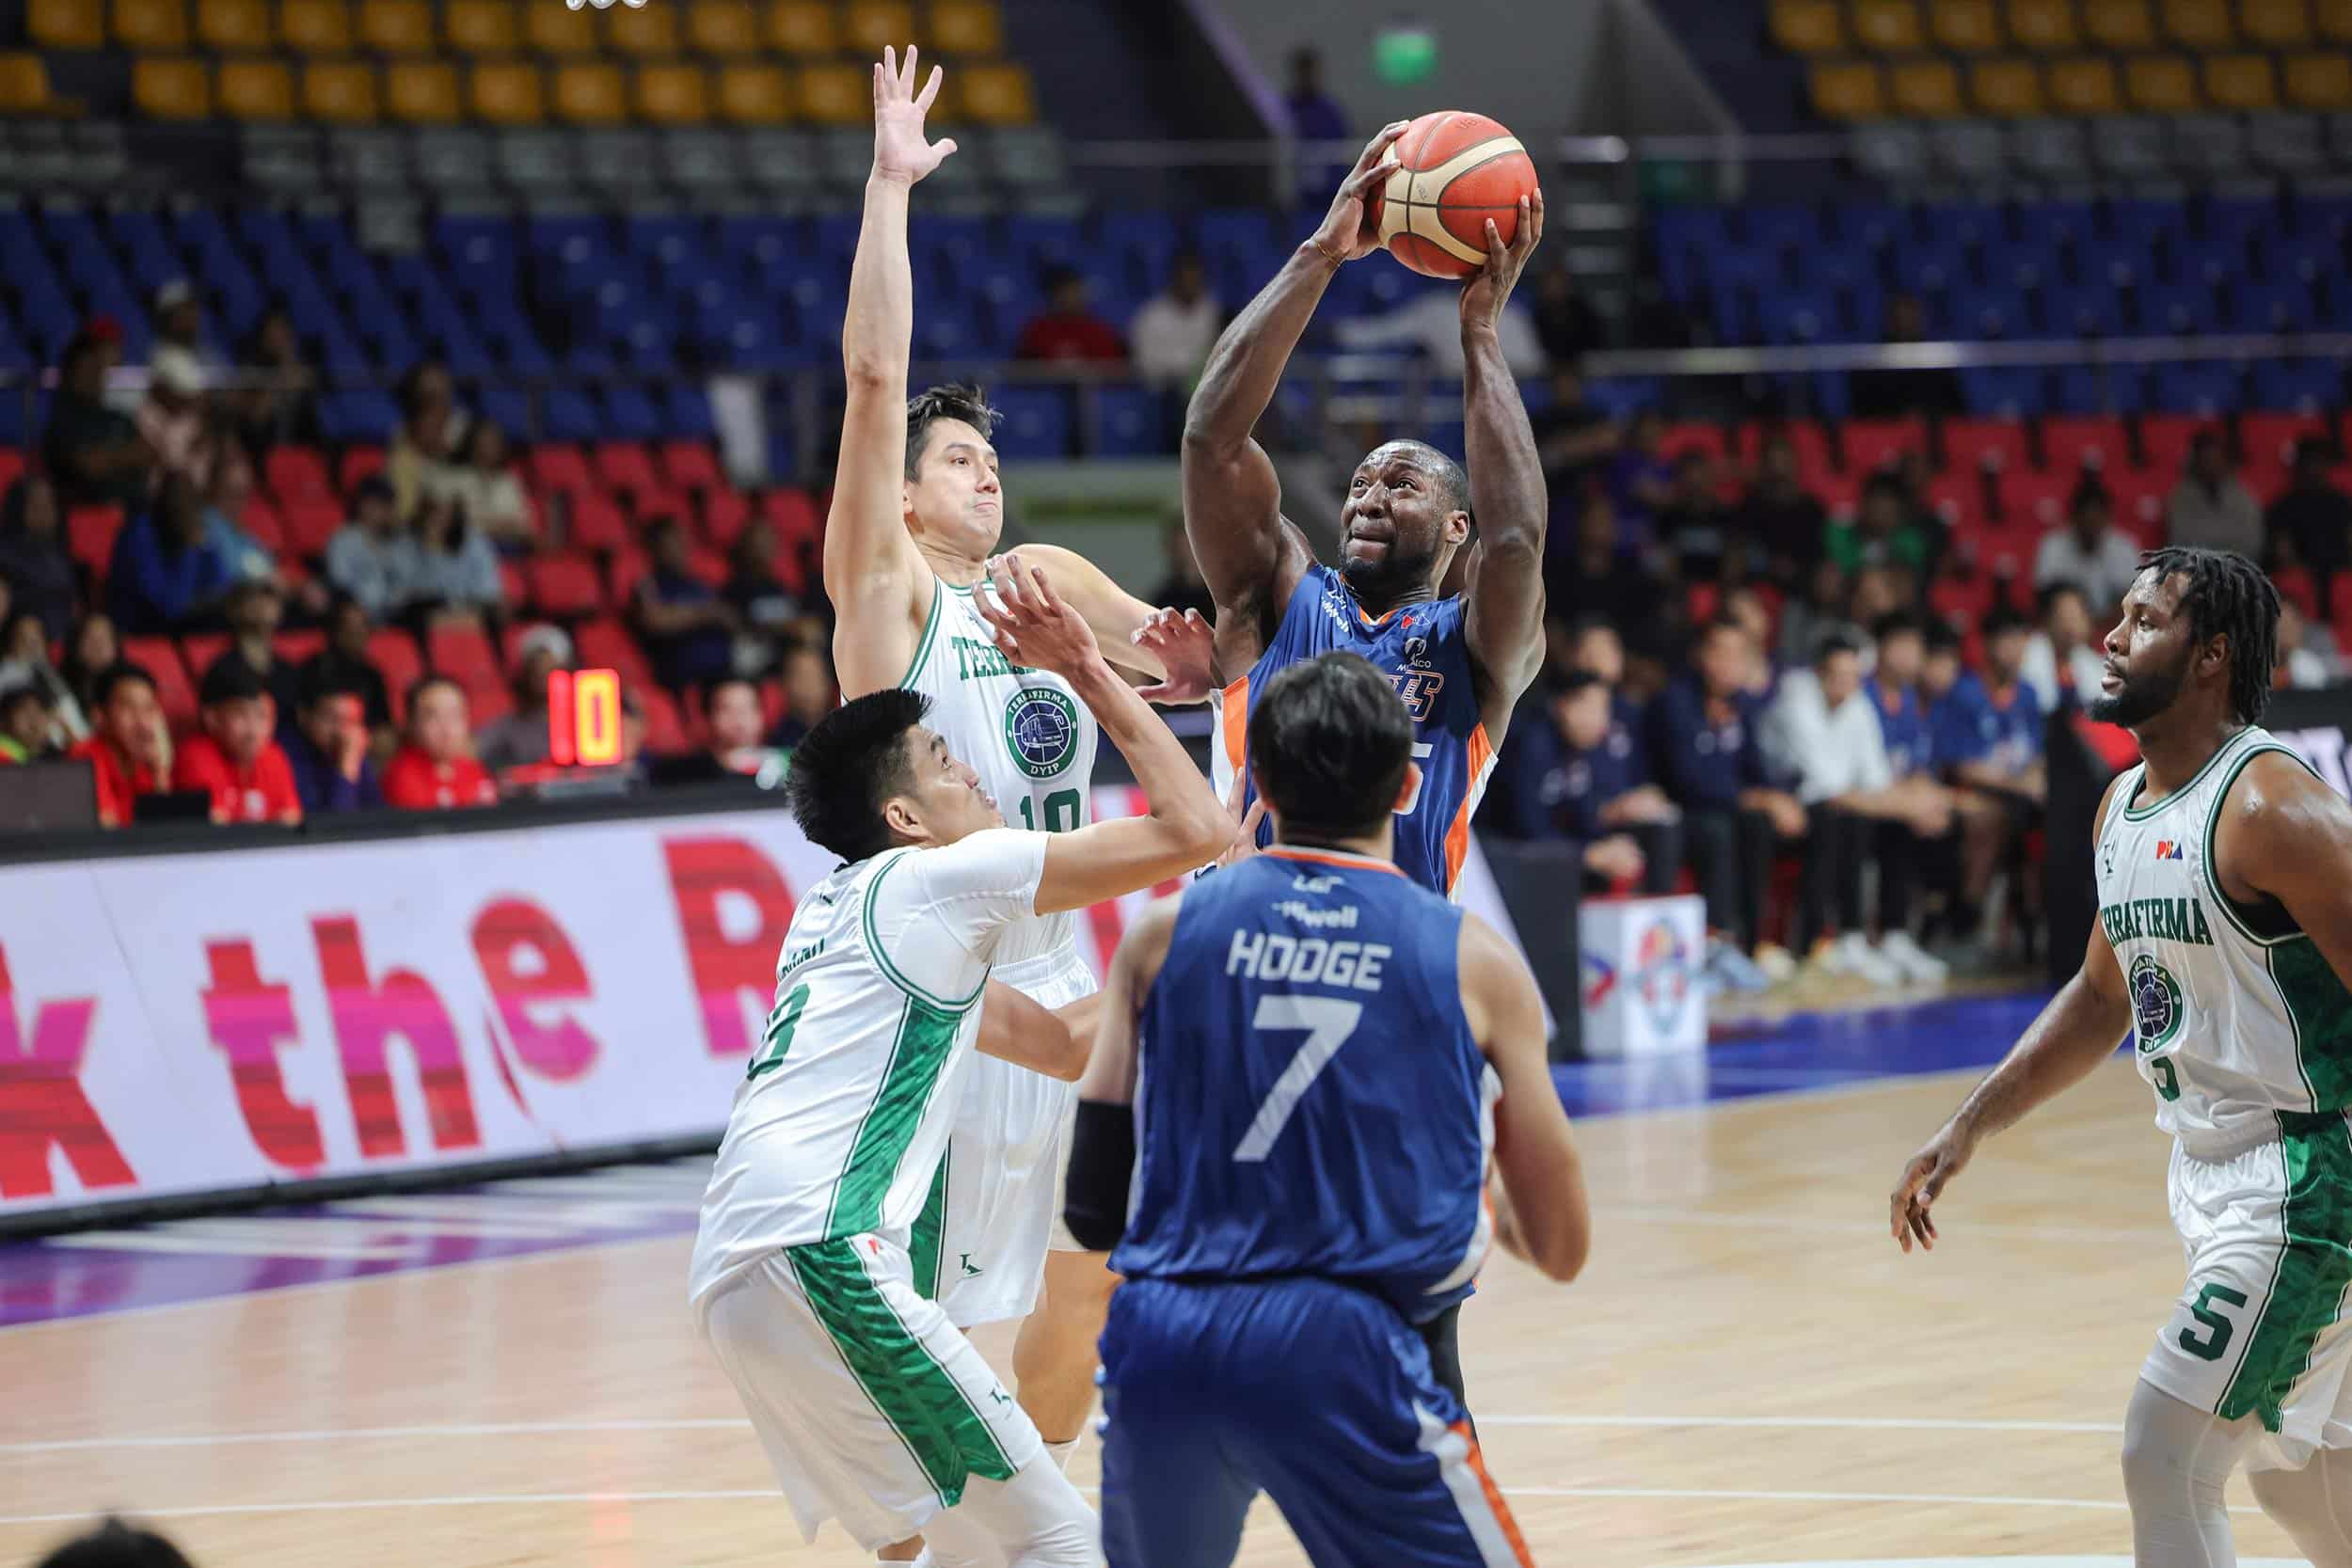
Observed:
{"x":1040,"y":731}
{"x":1418,"y":690}
{"x":2156,"y":1010}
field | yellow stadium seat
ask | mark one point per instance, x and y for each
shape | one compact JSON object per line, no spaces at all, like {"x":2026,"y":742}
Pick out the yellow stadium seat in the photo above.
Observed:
{"x":315,"y":26}
{"x":2119,"y":23}
{"x":2044,"y":26}
{"x":2198,"y":23}
{"x":423,"y":92}
{"x":2319,"y":81}
{"x":506,"y":92}
{"x":673,"y":94}
{"x":802,"y":27}
{"x":23,"y":84}
{"x":1927,"y":90}
{"x":551,"y":27}
{"x":234,"y":23}
{"x":341,"y":92}
{"x":2160,"y":83}
{"x":997,"y":95}
{"x":149,"y":23}
{"x":756,"y":94}
{"x":2275,"y":23}
{"x":67,"y":25}
{"x":171,"y":88}
{"x":726,"y":28}
{"x":591,"y":92}
{"x":1849,"y":89}
{"x":836,"y":94}
{"x":650,"y":31}
{"x":481,"y":26}
{"x":1972,"y":26}
{"x":2335,"y":20}
{"x":1889,"y":27}
{"x":396,"y":26}
{"x":972,"y":29}
{"x":2009,"y":88}
{"x":870,"y":26}
{"x":2240,"y":82}
{"x":256,"y":89}
{"x":1809,"y":26}
{"x":2083,"y":86}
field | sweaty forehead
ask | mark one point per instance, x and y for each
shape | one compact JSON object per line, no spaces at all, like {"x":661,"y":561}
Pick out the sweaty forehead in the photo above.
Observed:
{"x":1411,"y":453}
{"x":946,"y":435}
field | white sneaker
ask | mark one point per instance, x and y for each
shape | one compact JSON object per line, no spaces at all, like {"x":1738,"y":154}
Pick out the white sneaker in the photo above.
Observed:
{"x":1776,"y":962}
{"x":1852,"y":958}
{"x":1915,"y":961}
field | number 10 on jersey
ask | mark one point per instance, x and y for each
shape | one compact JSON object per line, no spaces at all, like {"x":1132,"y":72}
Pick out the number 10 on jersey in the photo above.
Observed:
{"x":1065,"y":812}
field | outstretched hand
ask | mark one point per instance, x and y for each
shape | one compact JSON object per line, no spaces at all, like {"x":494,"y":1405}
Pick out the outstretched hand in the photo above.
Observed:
{"x":1031,"y":624}
{"x":1485,"y":291}
{"x":1186,"y":645}
{"x":1922,"y":1183}
{"x":1347,"y":231}
{"x":900,"y":150}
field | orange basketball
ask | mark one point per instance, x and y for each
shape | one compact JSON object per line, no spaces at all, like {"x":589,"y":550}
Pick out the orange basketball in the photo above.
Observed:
{"x":1450,"y":171}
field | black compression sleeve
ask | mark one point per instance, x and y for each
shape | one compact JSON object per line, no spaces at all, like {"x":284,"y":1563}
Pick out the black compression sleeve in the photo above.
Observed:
{"x":1102,"y":1163}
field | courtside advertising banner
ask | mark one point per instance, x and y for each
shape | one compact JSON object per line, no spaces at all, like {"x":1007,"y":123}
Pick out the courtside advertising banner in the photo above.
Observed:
{"x":186,"y":1024}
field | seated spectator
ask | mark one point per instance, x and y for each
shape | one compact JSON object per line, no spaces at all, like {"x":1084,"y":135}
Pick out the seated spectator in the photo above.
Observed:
{"x":1746,"y":606}
{"x":2300,"y":665}
{"x":1068,"y":330}
{"x":225,"y":502}
{"x":1988,"y":733}
{"x":768,"y":612}
{"x":170,"y":573}
{"x":2210,"y":506}
{"x":346,"y":658}
{"x":279,"y":406}
{"x":115,"y":1544}
{"x":1576,"y":442}
{"x":1177,"y":327}
{"x":1786,"y":524}
{"x":1579,"y":774}
{"x":327,"y":747}
{"x":519,"y":739}
{"x":1895,"y":394}
{"x":33,"y":554}
{"x":809,"y":693}
{"x":1565,"y":323}
{"x":1180,"y":585}
{"x":687,"y":627}
{"x":484,"y":486}
{"x":1826,"y":734}
{"x":426,"y":438}
{"x":1690,"y":525}
{"x":2313,"y":515}
{"x":1882,"y":533}
{"x":130,"y":749}
{"x":90,"y":449}
{"x":253,"y":612}
{"x":25,"y":661}
{"x":2062,"y":655}
{"x":372,"y":558}
{"x":1594,"y":647}
{"x":457,"y":567}
{"x":1704,"y":749}
{"x":28,"y":723}
{"x":1598,"y":579}
{"x":435,"y":769}
{"x":2090,"y":551}
{"x":94,"y":649}
{"x":178,"y":314}
{"x":733,"y":750}
{"x":1824,"y":607}
{"x":1641,"y":482}
{"x":172,"y":419}
{"x":1992,"y":821}
{"x":234,"y":760}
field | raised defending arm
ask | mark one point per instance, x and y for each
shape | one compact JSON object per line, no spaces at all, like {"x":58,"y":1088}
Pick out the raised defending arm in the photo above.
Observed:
{"x":1504,"y":619}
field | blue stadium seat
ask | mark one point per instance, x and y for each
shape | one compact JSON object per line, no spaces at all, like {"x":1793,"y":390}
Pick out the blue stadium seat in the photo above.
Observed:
{"x":2004,"y":391}
{"x":629,"y":415}
{"x":1991,"y":312}
{"x":2172,"y":309}
{"x":1036,"y":424}
{"x":2282,"y":304}
{"x":2098,"y":390}
{"x":2206,"y":389}
{"x":358,"y":416}
{"x":2302,"y":385}
{"x":1129,"y":422}
{"x":1799,"y":317}
{"x":506,"y":407}
{"x":2080,"y":310}
{"x":18,"y":426}
{"x":569,"y":416}
{"x":1782,"y":229}
{"x":685,"y":412}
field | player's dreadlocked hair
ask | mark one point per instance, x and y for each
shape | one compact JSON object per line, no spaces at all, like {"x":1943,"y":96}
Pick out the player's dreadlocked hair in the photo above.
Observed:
{"x":2228,"y":595}
{"x":956,"y":400}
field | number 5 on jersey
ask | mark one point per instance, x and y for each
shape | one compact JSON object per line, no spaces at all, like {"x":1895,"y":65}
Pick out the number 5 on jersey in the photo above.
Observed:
{"x":1328,"y":1023}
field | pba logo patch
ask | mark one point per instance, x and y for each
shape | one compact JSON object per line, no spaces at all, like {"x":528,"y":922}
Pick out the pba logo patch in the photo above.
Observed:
{"x":2168,"y":849}
{"x":2156,"y":1010}
{"x":1661,"y":975}
{"x":1042,"y":730}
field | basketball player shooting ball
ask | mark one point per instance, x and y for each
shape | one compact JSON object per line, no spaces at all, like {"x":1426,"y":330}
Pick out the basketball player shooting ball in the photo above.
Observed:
{"x":2224,"y":934}
{"x":1459,"y":664}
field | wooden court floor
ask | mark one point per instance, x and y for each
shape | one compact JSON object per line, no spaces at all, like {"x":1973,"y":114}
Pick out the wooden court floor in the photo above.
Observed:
{"x":1748,"y":1373}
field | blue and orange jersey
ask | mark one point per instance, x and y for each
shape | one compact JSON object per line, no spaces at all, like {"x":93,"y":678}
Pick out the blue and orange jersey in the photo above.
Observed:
{"x":1422,"y":648}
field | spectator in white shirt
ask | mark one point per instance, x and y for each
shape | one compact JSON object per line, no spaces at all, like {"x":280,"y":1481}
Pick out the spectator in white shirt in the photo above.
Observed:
{"x":2063,"y":653}
{"x":372,"y":558}
{"x":2090,"y":552}
{"x":2301,"y":665}
{"x":1822,"y":730}
{"x":1170,"y":337}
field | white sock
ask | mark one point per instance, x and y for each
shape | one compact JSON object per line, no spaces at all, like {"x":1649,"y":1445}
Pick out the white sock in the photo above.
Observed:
{"x":1059,"y":1453}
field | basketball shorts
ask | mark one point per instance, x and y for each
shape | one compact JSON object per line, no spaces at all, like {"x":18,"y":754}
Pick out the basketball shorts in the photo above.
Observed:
{"x":873,"y":1409}
{"x":2259,"y":1329}
{"x":1315,"y":1393}
{"x":995,"y":1204}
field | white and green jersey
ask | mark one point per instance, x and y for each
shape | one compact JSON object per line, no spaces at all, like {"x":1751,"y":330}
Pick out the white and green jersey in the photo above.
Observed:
{"x":845,"y":1108}
{"x":1023,"y":731}
{"x":2236,"y":1015}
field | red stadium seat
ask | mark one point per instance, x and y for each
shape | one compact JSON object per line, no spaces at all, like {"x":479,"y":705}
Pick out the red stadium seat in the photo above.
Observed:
{"x":2340,"y":612}
{"x":725,"y":512}
{"x":557,"y":466}
{"x":296,"y":471}
{"x":262,"y":521}
{"x":12,"y":467}
{"x":297,"y":647}
{"x":1701,"y":438}
{"x":2165,"y":439}
{"x":660,"y":502}
{"x":1810,"y":442}
{"x":2071,"y":444}
{"x":625,"y":465}
{"x":311,"y":521}
{"x":1961,"y":600}
{"x":565,"y":585}
{"x":2035,"y":501}
{"x":1958,"y":497}
{"x":463,"y":649}
{"x":1875,"y":444}
{"x":2140,"y":498}
{"x":664,"y":730}
{"x":621,"y":573}
{"x":89,"y":534}
{"x":709,"y":565}
{"x":2268,"y":442}
{"x":795,"y":516}
{"x":598,"y":522}
{"x":393,"y":652}
{"x":198,"y":650}
{"x":1973,"y":444}
{"x":771,"y":702}
{"x":2295,"y":586}
{"x":514,"y":587}
{"x":357,"y":463}
{"x":160,"y":657}
{"x":692,"y":465}
{"x":487,"y":700}
{"x":606,"y":643}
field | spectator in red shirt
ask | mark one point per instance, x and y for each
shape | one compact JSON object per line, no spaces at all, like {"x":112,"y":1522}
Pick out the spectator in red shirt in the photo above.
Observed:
{"x":131,"y":754}
{"x":1068,"y":330}
{"x":435,"y":769}
{"x":234,"y":760}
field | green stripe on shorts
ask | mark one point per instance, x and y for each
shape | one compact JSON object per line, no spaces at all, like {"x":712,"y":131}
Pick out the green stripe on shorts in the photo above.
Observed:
{"x":2314,"y":1266}
{"x":931,"y":1232}
{"x":923,"y":1402}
